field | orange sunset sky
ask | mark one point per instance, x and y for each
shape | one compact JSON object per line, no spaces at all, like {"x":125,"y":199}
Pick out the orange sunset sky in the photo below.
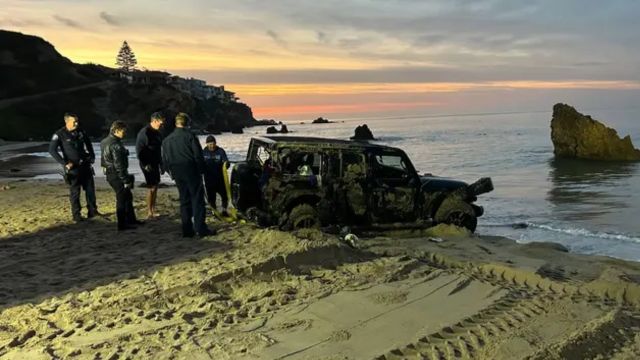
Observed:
{"x":353,"y":58}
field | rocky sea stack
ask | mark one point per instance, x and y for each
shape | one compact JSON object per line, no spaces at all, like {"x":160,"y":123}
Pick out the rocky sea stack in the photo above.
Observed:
{"x":362,"y":132}
{"x":575,"y":135}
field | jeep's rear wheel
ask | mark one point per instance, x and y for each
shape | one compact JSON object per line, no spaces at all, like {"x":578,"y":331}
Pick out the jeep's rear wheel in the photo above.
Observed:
{"x":458,"y":213}
{"x":303,"y":216}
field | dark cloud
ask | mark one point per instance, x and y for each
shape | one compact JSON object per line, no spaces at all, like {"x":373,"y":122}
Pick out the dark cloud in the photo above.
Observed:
{"x":421,"y":74}
{"x":322,"y":37}
{"x":276,"y":38}
{"x":68,"y":22}
{"x":110,"y":19}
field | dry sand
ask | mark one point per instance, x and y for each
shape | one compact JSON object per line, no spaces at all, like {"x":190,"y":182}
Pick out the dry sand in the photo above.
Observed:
{"x":84,"y":291}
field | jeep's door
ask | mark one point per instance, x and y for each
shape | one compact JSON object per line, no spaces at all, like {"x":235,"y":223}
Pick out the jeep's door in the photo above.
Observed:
{"x":393,"y":187}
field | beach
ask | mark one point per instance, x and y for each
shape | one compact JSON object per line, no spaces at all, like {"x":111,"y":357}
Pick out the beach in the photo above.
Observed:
{"x":85,"y":291}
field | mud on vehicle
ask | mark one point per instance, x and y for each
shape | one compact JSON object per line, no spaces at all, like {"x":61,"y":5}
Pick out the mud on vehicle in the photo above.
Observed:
{"x":299,"y":182}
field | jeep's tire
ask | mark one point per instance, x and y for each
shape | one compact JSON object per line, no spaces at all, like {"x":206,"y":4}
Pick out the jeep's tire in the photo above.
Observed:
{"x":303,"y":216}
{"x":458,"y":213}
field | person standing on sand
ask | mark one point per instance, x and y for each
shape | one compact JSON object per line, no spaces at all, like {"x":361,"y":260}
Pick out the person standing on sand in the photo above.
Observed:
{"x":71,"y":147}
{"x":182,"y":159}
{"x":149,"y":152}
{"x":115,"y":162}
{"x":215,"y":158}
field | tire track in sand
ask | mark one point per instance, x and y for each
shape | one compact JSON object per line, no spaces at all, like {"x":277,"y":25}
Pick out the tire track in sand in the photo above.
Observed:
{"x":605,"y":319}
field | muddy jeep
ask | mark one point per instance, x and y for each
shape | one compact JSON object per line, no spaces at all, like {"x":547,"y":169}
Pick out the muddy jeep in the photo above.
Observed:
{"x":298,"y":182}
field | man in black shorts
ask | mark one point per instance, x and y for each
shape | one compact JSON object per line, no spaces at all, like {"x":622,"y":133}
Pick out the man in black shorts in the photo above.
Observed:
{"x":149,"y":151}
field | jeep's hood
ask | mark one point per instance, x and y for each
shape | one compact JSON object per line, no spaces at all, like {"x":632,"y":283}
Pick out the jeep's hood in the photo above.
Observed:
{"x":435,"y":183}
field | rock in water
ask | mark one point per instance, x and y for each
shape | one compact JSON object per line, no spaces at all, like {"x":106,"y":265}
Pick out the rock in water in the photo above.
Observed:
{"x":363,"y":132}
{"x":274,"y":130}
{"x":575,"y":135}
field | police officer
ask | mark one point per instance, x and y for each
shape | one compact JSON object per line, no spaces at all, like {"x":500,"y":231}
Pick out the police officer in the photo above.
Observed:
{"x":182,"y":158}
{"x":71,"y":147}
{"x":115,"y":164}
{"x":149,"y":151}
{"x":215,"y":158}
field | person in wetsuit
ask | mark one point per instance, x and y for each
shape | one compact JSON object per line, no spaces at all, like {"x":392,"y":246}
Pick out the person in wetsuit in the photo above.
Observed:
{"x":215,"y":158}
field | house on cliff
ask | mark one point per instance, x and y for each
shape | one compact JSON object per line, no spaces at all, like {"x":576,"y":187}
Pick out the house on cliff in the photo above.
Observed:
{"x":200,"y":90}
{"x":142,"y":77}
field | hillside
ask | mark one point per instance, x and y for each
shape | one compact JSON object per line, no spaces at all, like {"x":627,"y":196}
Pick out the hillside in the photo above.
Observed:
{"x":42,"y":85}
{"x":30,"y":65}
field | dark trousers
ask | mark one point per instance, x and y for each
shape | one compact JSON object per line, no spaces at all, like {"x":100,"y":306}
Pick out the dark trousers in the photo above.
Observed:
{"x":191,"y":204}
{"x":81,"y":178}
{"x":124,"y":202}
{"x":215,"y":186}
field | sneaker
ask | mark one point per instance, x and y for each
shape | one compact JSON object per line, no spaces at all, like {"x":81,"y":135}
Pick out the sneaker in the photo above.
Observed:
{"x":207,"y":232}
{"x":126,"y":227}
{"x":92,"y":214}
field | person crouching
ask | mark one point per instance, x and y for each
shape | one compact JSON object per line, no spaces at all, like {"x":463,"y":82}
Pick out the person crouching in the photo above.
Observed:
{"x":115,"y":164}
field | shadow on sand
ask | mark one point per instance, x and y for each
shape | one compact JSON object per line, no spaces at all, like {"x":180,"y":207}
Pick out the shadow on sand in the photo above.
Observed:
{"x":81,"y":256}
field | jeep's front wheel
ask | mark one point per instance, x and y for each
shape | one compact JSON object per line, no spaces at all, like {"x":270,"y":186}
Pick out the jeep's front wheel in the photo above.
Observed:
{"x":303,"y":216}
{"x":458,"y":213}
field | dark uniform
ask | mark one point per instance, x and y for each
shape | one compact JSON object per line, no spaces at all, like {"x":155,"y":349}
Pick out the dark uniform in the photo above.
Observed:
{"x":116,"y":163}
{"x":149,"y":151}
{"x":182,"y":158}
{"x":76,"y":149}
{"x":213,"y":177}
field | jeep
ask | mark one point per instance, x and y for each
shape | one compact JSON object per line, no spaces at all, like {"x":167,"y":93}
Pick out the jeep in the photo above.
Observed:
{"x":299,"y":182}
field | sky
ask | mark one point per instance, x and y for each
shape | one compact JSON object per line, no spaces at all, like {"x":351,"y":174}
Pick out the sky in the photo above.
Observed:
{"x":298,"y":59}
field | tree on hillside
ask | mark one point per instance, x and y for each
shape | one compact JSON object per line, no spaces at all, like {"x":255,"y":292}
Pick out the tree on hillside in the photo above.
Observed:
{"x":126,"y":59}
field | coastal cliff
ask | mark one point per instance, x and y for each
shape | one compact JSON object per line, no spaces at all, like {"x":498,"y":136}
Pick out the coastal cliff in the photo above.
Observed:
{"x":575,"y":135}
{"x":42,"y":85}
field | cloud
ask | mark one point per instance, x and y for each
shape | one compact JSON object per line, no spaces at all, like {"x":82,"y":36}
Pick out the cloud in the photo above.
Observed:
{"x":418,"y":74}
{"x":322,"y":37}
{"x":351,"y":43}
{"x":67,"y":22}
{"x":277,"y":39}
{"x":110,"y":19}
{"x":8,"y":22}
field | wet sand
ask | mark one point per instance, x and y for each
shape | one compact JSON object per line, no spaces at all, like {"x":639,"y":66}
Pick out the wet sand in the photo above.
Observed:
{"x":15,"y":163}
{"x":84,"y":291}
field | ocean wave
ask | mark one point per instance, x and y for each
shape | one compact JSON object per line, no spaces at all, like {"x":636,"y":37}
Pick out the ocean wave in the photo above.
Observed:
{"x":569,"y":231}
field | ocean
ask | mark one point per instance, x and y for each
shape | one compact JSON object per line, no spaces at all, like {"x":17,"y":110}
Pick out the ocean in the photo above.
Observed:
{"x":589,"y":207}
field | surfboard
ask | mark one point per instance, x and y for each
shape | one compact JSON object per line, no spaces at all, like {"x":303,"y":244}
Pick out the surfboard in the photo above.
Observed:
{"x":233,"y":212}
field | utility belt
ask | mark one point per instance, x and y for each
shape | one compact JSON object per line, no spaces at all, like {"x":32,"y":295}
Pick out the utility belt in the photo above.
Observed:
{"x":82,"y":166}
{"x":109,"y":170}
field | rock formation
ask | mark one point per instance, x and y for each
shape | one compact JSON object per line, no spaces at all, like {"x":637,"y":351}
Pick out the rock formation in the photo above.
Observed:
{"x":363,"y":132}
{"x":321,"y":120}
{"x":274,"y":130}
{"x":575,"y":135}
